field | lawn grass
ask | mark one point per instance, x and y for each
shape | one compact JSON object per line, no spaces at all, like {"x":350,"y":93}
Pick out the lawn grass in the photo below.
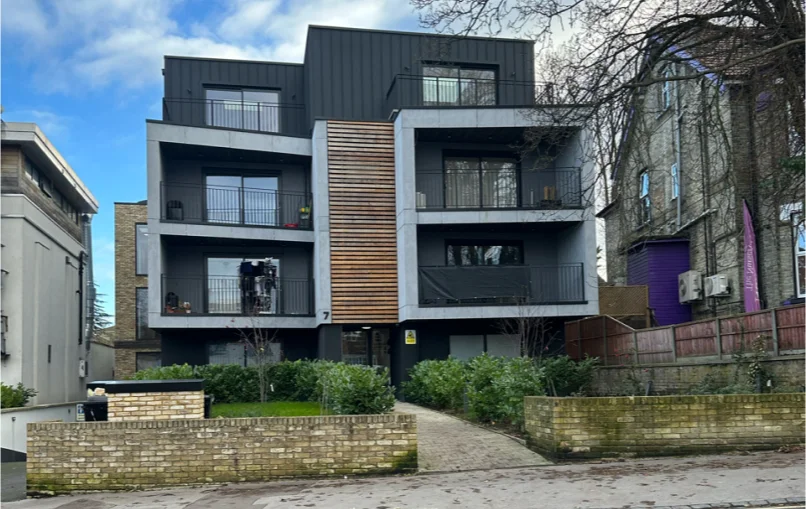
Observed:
{"x":269,"y":409}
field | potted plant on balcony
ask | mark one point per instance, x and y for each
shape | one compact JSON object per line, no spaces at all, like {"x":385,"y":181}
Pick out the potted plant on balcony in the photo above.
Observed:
{"x":305,"y":217}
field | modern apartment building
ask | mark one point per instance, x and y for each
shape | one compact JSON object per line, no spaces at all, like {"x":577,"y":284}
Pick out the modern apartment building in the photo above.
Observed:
{"x":47,"y":291}
{"x":373,"y":204}
{"x":136,"y":345}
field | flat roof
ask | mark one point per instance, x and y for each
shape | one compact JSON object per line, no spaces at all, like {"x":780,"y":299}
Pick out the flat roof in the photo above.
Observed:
{"x":37,"y":146}
{"x":428,"y":34}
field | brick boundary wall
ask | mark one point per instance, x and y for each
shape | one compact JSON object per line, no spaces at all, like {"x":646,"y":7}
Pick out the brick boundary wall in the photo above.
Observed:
{"x":581,"y":428}
{"x":682,"y":377}
{"x":150,"y":406}
{"x":78,"y":457}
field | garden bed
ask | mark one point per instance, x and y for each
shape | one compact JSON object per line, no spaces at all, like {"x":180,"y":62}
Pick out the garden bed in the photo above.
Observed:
{"x":268,"y":409}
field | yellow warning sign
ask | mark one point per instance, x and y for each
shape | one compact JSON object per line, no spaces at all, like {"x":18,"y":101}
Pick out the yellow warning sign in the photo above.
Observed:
{"x":411,"y":337}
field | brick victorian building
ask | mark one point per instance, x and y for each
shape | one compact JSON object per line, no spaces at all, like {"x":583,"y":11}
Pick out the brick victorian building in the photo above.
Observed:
{"x":697,"y":149}
{"x":136,"y":346}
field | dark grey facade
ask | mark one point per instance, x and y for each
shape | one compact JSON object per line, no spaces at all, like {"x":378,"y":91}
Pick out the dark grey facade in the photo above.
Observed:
{"x":348,"y":74}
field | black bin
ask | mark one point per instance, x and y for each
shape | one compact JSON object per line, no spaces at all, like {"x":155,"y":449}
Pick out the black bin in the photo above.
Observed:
{"x":208,"y":405}
{"x":95,"y":409}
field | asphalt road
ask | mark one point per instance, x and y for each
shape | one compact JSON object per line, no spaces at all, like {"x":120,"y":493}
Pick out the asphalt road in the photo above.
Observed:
{"x":678,"y":482}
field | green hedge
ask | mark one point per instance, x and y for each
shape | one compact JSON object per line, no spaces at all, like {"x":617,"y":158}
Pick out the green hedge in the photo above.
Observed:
{"x":341,"y":388}
{"x":495,"y":386}
{"x":15,"y":396}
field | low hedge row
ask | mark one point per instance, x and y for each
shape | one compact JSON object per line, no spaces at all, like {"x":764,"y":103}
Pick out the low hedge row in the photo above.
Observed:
{"x":341,"y":388}
{"x":495,"y":386}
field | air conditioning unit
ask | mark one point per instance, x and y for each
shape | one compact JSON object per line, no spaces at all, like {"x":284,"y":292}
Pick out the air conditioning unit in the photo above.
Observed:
{"x":82,"y":368}
{"x":717,"y":286}
{"x":689,"y":286}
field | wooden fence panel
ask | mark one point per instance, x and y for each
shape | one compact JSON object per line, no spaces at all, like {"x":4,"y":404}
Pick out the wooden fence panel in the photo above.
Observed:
{"x":696,"y":339}
{"x":738,"y":332}
{"x":655,"y":345}
{"x":791,"y":328}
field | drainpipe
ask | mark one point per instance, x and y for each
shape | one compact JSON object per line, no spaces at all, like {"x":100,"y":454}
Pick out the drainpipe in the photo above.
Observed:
{"x":89,"y":301}
{"x":705,"y":174}
{"x":80,"y":292}
{"x":678,"y":114}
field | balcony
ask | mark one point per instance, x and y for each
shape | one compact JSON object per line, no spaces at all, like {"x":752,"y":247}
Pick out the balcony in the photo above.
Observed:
{"x":417,"y":91}
{"x":232,"y":296}
{"x":278,"y":118}
{"x":498,"y":189}
{"x":491,"y":285}
{"x":235,"y":206}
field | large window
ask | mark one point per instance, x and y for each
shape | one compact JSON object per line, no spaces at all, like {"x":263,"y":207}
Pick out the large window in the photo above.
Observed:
{"x":481,"y":182}
{"x":465,"y":253}
{"x":228,"y":291}
{"x":141,"y":249}
{"x":147,"y":360}
{"x":256,"y":110}
{"x":665,"y":90}
{"x":457,"y":86}
{"x":675,"y":182}
{"x":143,"y":332}
{"x":800,"y":253}
{"x":645,"y":201}
{"x":242,"y":200}
{"x":239,"y":353}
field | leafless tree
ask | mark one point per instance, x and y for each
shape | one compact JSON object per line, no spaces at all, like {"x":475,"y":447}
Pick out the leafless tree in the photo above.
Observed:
{"x":260,"y":343}
{"x":533,"y":333}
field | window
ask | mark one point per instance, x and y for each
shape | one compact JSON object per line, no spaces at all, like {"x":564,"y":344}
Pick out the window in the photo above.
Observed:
{"x":31,"y":170}
{"x":226,"y":293}
{"x":256,"y":110}
{"x":141,"y":250}
{"x":45,"y":185}
{"x":141,"y":318}
{"x":238,"y":353}
{"x":147,"y":360}
{"x":665,"y":98}
{"x":799,"y":228}
{"x":675,"y":182}
{"x":489,"y":253}
{"x":480,"y":182}
{"x":645,"y":206}
{"x":242,"y":200}
{"x":457,"y":86}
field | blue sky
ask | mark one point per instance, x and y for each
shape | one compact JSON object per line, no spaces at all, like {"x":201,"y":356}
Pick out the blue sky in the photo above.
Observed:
{"x":89,"y":73}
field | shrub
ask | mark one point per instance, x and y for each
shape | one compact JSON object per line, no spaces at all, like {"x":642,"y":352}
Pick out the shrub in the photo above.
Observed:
{"x":175,"y":372}
{"x":563,"y":376}
{"x":352,"y":389}
{"x":15,"y":396}
{"x":438,"y":384}
{"x":498,"y":385}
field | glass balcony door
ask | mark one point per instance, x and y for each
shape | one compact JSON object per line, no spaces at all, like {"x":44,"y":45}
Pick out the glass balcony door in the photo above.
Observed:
{"x":256,"y":110}
{"x":226,"y":291}
{"x":481,"y":182}
{"x":457,"y":86}
{"x":236,"y":199}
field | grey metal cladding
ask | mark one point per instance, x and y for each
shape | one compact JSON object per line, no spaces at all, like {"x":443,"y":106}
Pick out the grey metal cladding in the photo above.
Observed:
{"x":187,"y":78}
{"x":348,"y":72}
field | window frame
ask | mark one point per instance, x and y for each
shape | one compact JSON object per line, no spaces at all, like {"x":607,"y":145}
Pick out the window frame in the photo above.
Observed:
{"x":137,"y":317}
{"x":277,"y":115}
{"x":665,"y":97}
{"x":136,"y":236}
{"x":798,"y":228}
{"x":675,"y":174}
{"x":459,"y":68}
{"x":480,"y":157}
{"x":644,"y":198}
{"x":486,"y":242}
{"x":137,"y":358}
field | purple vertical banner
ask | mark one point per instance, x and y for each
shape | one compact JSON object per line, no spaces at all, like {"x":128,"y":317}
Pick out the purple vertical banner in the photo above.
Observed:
{"x":751,"y":300}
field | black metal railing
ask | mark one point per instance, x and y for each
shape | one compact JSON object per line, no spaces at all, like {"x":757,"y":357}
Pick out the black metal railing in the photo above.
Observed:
{"x":498,"y":188}
{"x":501,"y":285}
{"x":192,"y":203}
{"x":410,"y":90}
{"x":280,"y":118}
{"x":230,"y":295}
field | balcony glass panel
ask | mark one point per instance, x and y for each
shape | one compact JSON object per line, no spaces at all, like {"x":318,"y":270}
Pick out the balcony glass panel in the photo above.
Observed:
{"x":257,"y":110}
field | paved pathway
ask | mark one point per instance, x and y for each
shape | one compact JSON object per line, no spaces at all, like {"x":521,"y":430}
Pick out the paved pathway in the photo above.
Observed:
{"x":448,"y":444}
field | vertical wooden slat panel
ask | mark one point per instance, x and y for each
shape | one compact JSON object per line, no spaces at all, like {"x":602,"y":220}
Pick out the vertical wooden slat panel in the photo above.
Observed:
{"x":363,"y":238}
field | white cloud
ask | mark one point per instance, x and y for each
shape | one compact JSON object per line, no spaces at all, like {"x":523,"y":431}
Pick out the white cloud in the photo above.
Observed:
{"x":79,"y":44}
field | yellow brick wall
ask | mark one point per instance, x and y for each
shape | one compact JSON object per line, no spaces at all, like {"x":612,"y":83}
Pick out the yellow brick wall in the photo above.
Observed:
{"x":573,"y":428}
{"x":65,"y":457}
{"x":155,"y":406}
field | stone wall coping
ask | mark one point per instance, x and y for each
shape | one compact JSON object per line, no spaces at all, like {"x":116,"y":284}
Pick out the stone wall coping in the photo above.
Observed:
{"x":38,"y":407}
{"x":227,"y":421}
{"x":143,"y":386}
{"x":663,"y":400}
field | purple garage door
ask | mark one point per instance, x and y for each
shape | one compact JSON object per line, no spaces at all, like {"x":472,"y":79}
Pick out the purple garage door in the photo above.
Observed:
{"x":657,"y":263}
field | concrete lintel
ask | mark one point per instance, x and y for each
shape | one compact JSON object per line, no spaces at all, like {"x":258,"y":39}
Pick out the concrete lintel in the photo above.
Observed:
{"x":498,"y":216}
{"x":471,"y":312}
{"x":450,"y":118}
{"x":232,"y":139}
{"x":232,"y":232}
{"x":159,"y":321}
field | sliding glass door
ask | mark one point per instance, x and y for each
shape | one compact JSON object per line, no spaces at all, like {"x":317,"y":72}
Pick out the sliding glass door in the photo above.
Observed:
{"x":227,"y":291}
{"x":481,"y":182}
{"x":236,"y":199}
